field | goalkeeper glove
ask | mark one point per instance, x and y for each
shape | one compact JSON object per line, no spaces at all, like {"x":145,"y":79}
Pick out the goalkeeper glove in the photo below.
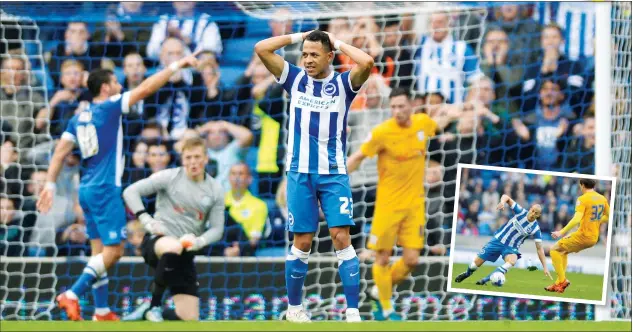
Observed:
{"x":152,"y":225}
{"x":191,"y":243}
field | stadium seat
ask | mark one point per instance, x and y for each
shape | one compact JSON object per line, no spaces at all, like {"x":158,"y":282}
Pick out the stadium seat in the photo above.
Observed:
{"x":231,"y":73}
{"x":238,"y":51}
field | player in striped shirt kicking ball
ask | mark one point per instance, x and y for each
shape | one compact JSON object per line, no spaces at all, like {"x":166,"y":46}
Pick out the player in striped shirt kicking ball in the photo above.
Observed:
{"x":315,"y":164}
{"x":508,"y":239}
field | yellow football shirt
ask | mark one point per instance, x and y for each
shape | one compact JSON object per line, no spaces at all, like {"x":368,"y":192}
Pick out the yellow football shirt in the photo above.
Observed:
{"x":401,"y":160}
{"x":593,"y":207}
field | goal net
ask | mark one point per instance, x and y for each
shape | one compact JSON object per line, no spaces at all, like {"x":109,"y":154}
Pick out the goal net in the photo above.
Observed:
{"x":482,"y":75}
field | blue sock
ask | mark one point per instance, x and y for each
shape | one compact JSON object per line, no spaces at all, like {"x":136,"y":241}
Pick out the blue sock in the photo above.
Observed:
{"x":100,"y":292}
{"x":349,"y":270}
{"x":86,"y":279}
{"x":296,"y":270}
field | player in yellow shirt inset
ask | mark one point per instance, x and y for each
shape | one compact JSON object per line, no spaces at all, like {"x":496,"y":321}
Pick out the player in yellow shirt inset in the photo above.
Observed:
{"x":400,"y":144}
{"x":592,"y":209}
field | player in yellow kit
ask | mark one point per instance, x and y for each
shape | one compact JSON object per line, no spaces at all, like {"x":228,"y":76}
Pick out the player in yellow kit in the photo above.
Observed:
{"x":400,"y":144}
{"x":592,"y":209}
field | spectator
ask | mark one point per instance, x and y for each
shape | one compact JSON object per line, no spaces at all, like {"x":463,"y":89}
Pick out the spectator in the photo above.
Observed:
{"x":491,"y":196}
{"x":580,"y":154}
{"x":247,"y":214}
{"x":522,"y":31}
{"x":266,"y":119}
{"x":219,"y":100}
{"x":394,"y":64}
{"x":362,"y":36}
{"x":152,"y":130}
{"x":281,"y":24}
{"x":577,"y":20}
{"x":197,"y":31}
{"x":552,"y":64}
{"x":158,"y":155}
{"x":76,"y":46}
{"x":15,"y":228}
{"x":223,"y":152}
{"x":10,"y":169}
{"x":172,"y":104}
{"x":134,"y":70}
{"x":73,"y":241}
{"x":434,"y":73}
{"x":135,"y":234}
{"x":126,"y":30}
{"x":64,"y":103}
{"x":137,"y":170}
{"x":19,"y":102}
{"x":546,"y":131}
{"x":496,"y":63}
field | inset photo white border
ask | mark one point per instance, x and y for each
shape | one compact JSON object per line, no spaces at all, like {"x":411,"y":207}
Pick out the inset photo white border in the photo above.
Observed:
{"x":460,"y":168}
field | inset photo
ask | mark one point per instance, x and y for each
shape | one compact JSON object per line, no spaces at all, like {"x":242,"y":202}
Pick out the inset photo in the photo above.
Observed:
{"x":531,"y":234}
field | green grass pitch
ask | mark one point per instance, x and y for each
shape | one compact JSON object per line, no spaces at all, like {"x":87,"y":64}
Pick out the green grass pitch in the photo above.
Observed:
{"x":505,"y":325}
{"x":520,"y":281}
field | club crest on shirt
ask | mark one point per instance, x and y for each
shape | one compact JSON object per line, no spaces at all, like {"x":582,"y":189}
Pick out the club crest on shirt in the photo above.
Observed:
{"x":329,"y":89}
{"x":421,"y":135}
{"x":291,"y":219}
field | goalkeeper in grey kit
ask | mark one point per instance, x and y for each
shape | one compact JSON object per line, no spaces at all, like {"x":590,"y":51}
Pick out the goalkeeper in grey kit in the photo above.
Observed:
{"x":189,"y":216}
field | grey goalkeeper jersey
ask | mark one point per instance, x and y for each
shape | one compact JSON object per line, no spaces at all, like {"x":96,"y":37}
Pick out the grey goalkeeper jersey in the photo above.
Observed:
{"x":184,"y":206}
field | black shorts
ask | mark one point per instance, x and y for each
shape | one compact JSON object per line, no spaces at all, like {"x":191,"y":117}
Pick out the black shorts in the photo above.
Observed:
{"x":187,"y":267}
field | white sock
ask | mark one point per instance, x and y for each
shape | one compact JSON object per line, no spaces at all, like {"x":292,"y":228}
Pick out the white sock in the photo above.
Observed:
{"x":345,"y":254}
{"x":352,"y":311}
{"x":71,"y":295}
{"x":473,"y":266}
{"x":506,"y":266}
{"x":295,"y":307}
{"x":299,"y":254}
{"x":102,"y":311}
{"x":97,"y":264}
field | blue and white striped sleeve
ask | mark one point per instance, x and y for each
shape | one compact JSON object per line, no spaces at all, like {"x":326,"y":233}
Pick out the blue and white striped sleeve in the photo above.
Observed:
{"x":288,"y":76}
{"x":516,"y":208}
{"x":471,"y":65}
{"x":346,"y":79}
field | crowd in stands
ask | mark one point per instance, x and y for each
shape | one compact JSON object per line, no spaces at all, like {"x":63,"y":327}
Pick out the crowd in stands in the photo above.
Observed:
{"x":524,"y":101}
{"x":481,"y":190}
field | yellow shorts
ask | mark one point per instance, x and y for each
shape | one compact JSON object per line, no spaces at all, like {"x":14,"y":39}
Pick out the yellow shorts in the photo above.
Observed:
{"x":407,"y":226}
{"x":575,"y":243}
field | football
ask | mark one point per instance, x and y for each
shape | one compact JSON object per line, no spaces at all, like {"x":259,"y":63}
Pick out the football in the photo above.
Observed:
{"x":498,"y":279}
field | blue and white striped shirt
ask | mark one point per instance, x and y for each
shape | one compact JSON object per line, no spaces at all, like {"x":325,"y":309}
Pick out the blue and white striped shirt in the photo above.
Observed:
{"x":445,"y":67}
{"x":317,"y":120}
{"x":578,"y":21}
{"x":517,"y":229}
{"x":200,"y":29}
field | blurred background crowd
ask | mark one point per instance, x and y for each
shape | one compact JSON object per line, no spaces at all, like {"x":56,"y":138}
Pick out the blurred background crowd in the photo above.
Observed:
{"x":516,"y":80}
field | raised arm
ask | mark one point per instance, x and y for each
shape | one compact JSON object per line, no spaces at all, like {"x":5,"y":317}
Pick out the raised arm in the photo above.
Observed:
{"x":242,"y":134}
{"x":364,"y":62}
{"x":158,"y":80}
{"x":63,"y":148}
{"x":505,"y":199}
{"x":266,"y":48}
